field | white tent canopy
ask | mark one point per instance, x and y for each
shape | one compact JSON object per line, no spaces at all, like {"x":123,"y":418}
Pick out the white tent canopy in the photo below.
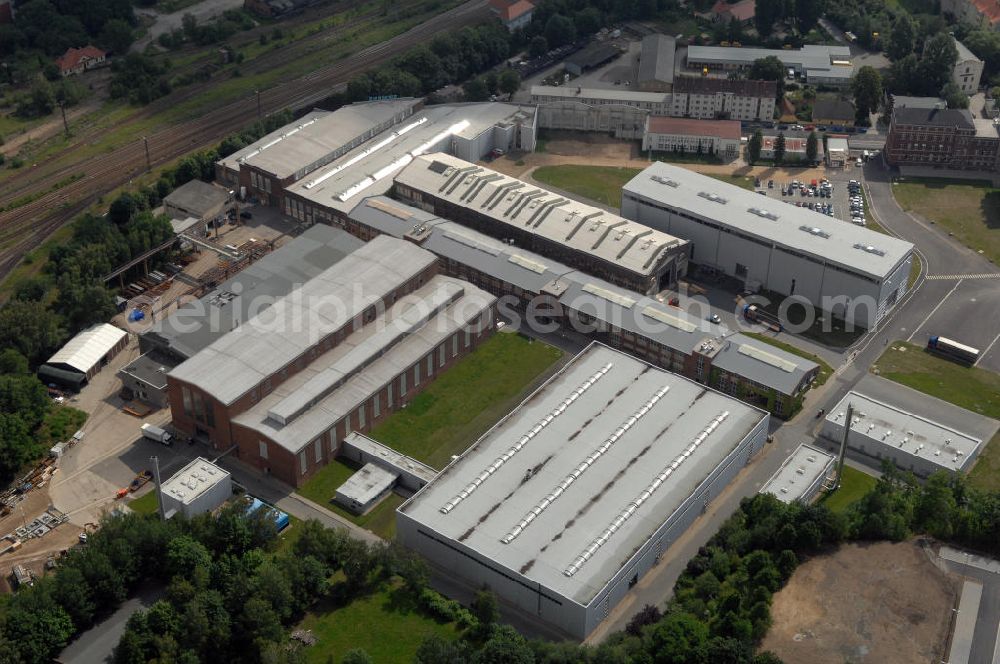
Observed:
{"x":86,"y":349}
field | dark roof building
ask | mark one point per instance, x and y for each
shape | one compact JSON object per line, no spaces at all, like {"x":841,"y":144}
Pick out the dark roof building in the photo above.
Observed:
{"x":591,"y":57}
{"x":833,"y":111}
{"x":942,"y":138}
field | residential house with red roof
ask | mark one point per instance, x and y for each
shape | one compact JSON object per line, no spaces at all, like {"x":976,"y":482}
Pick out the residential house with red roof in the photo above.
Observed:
{"x":78,"y":60}
{"x":513,"y":14}
{"x":981,"y":13}
{"x":743,"y":11}
{"x":713,"y":137}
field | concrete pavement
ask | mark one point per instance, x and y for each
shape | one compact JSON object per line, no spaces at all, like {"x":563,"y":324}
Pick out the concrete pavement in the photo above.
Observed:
{"x":975,"y":640}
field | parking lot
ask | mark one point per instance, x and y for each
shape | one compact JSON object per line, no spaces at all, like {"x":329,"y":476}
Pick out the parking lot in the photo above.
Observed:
{"x":832,"y":192}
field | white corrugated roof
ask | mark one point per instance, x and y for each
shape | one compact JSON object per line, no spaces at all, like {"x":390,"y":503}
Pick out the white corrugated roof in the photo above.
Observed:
{"x":87,"y":348}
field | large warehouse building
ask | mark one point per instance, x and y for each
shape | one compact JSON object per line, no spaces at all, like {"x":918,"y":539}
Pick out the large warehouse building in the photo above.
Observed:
{"x":567,"y":502}
{"x":855,"y":273}
{"x":587,"y":238}
{"x":817,"y":64}
{"x":339,"y":353}
{"x":660,"y":334}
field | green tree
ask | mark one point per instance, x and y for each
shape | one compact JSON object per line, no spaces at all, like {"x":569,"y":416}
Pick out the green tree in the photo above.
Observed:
{"x":769,"y":69}
{"x":485,"y":609}
{"x":677,"y":639}
{"x":812,"y":147}
{"x":510,"y":82}
{"x":436,"y":650}
{"x":12,"y":362}
{"x":754,"y":146}
{"x":476,"y":90}
{"x":937,"y":62}
{"x":31,"y":329}
{"x":807,"y":13}
{"x":356,"y":656}
{"x":768,"y":12}
{"x":559,"y":30}
{"x":766,"y":657}
{"x":647,"y":615}
{"x":538,"y":46}
{"x":954,"y":96}
{"x":867,"y":88}
{"x":184,"y":553}
{"x":116,"y":36}
{"x":779,"y":148}
{"x":901,"y":38}
{"x":505,"y":646}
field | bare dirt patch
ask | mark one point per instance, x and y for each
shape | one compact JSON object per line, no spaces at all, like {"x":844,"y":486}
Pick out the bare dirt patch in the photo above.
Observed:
{"x":878,"y":603}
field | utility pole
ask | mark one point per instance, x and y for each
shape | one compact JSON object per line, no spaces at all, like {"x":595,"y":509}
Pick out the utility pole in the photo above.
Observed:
{"x":62,"y":107}
{"x":159,"y":489}
{"x":843,"y":442}
{"x":259,"y":115}
{"x":145,"y":142}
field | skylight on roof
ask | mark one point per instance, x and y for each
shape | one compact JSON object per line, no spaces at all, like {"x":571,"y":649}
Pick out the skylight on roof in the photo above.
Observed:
{"x":715,"y":198}
{"x":767,"y":358}
{"x":867,"y":248}
{"x":669,"y":319}
{"x":812,"y":230}
{"x":663,"y":180}
{"x":763,"y":213}
{"x":608,"y":295}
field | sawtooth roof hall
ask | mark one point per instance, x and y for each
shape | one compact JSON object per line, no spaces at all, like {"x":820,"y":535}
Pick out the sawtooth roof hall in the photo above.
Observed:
{"x":773,"y":245}
{"x":575,"y":494}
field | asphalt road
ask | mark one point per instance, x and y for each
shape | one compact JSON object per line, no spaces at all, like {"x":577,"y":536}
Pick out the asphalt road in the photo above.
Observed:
{"x":97,"y":644}
{"x":960,"y":296}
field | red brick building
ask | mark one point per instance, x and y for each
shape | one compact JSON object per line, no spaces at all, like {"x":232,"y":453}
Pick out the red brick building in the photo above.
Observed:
{"x":942,"y":138}
{"x":339,"y":354}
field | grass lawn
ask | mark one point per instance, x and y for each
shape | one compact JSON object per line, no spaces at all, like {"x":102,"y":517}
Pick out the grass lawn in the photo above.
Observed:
{"x":60,"y":423}
{"x":825,"y":370}
{"x":603,"y":184}
{"x":376,"y":623}
{"x":970,"y":211}
{"x":971,"y":388}
{"x":322,"y":486}
{"x":145,"y":504}
{"x":467,"y":399}
{"x":853,"y":486}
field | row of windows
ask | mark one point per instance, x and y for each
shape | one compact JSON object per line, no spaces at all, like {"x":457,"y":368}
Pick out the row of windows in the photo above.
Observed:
{"x":197,"y":407}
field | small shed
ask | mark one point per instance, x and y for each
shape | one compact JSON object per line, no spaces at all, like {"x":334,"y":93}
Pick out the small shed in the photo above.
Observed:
{"x":197,"y":199}
{"x":365,"y":488}
{"x":198,"y":487}
{"x":837,"y":152}
{"x":591,"y":57}
{"x":83,"y":356}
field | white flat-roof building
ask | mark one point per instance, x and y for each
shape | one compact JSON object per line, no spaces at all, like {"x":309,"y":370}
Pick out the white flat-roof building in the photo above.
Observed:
{"x":565,"y":503}
{"x":855,"y":273}
{"x":198,"y":487}
{"x":585,"y":237}
{"x":820,"y":65}
{"x":365,"y":488}
{"x":802,"y":476}
{"x":913,"y":442}
{"x":618,"y":112}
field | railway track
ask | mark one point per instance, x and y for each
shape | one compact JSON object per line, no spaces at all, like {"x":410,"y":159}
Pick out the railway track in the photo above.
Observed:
{"x":25,"y":227}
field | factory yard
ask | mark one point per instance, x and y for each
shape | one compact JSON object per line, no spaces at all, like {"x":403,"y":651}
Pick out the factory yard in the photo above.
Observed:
{"x":970,"y":211}
{"x":446,"y":418}
{"x":883,"y":603}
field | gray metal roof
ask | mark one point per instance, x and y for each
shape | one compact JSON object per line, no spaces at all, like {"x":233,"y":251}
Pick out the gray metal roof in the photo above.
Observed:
{"x":763,"y":363}
{"x":547,"y":93}
{"x":901,"y":101}
{"x":197,"y":197}
{"x":85,"y":350}
{"x":368,"y":169}
{"x":799,"y":229}
{"x":150,"y":368}
{"x":933,"y":117}
{"x":813,"y":59}
{"x":964,"y":53}
{"x":367,"y":484}
{"x":884,"y":425}
{"x":510,"y":202}
{"x":798,"y":472}
{"x":194,"y":479}
{"x":195,"y":325}
{"x":669,"y":326}
{"x":273,"y":338}
{"x":333,"y":384}
{"x":525,"y":465}
{"x":293,"y":147}
{"x":656,"y":58}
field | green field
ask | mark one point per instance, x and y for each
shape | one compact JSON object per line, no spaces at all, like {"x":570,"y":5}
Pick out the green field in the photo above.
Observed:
{"x":322,"y":487}
{"x":969,"y":211}
{"x":603,"y":184}
{"x":145,"y":504}
{"x":825,"y":370}
{"x":468,"y":399}
{"x":971,"y":388}
{"x":853,"y":486}
{"x":388,"y":629}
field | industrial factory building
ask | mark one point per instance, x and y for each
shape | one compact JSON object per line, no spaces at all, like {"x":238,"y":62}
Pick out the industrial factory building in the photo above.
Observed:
{"x":584,"y":237}
{"x":569,"y":500}
{"x":660,"y":334}
{"x":816,"y":64}
{"x":199,"y":487}
{"x":339,"y":353}
{"x":83,"y":356}
{"x":317,"y":168}
{"x":855,"y":273}
{"x":883,"y":430}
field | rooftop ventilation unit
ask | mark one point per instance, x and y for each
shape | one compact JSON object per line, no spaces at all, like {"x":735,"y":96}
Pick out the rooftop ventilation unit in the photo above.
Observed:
{"x":763,"y":213}
{"x":663,"y":180}
{"x":867,"y":248}
{"x":715,"y":198}
{"x":812,"y":230}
